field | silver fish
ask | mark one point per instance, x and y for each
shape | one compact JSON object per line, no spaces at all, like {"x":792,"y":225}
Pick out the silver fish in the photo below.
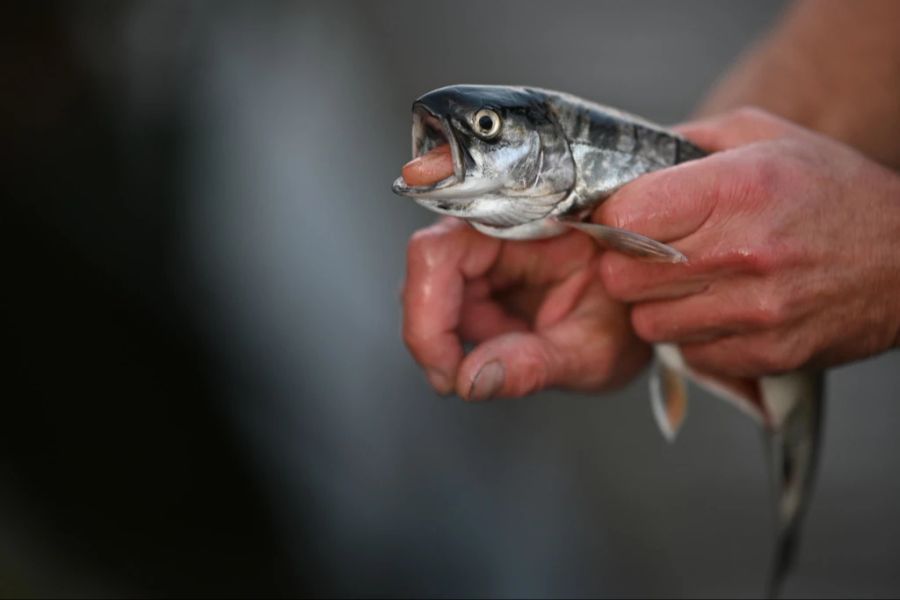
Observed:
{"x":530,"y":163}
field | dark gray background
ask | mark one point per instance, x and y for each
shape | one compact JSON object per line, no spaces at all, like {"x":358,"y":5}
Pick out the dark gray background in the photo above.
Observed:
{"x":211,"y":394}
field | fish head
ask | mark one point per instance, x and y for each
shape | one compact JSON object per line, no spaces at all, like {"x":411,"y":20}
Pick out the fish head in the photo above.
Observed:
{"x":511,"y":161}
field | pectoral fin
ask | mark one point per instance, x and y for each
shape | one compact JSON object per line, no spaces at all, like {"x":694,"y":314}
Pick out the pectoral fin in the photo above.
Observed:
{"x":668,"y":394}
{"x":745,"y":394}
{"x":628,"y":242}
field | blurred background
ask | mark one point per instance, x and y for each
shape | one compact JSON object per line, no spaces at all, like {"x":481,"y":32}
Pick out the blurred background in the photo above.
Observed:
{"x":207,"y":392}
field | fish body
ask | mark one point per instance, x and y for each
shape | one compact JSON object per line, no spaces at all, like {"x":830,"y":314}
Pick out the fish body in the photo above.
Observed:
{"x":529,"y":163}
{"x":788,"y":409}
{"x":551,"y":160}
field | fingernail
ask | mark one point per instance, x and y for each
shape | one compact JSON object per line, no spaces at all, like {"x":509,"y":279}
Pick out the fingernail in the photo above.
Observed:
{"x":487,"y":381}
{"x":438,"y":380}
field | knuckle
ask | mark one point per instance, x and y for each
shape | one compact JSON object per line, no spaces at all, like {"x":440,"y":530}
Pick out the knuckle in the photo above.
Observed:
{"x":761,"y":260}
{"x":756,"y":180}
{"x":762,"y":123}
{"x":427,"y":251}
{"x":770,"y":311}
{"x":613,"y":210}
{"x":749,"y":115}
{"x":418,"y":342}
{"x":411,"y":339}
{"x":532,"y":373}
{"x":776,"y":353}
{"x":615,"y":276}
{"x":437,"y":245}
{"x":424,"y":241}
{"x":767,"y":174}
{"x":747,"y":185}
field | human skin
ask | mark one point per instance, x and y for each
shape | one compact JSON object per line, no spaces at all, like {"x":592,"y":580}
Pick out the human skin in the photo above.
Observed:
{"x":792,"y":240}
{"x":536,"y":310}
{"x":829,"y":65}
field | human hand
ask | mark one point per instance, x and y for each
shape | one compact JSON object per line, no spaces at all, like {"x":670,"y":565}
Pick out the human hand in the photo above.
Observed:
{"x":536,"y":310}
{"x":793,"y":243}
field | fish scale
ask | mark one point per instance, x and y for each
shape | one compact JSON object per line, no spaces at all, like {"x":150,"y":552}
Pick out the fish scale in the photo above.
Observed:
{"x":553,"y":159}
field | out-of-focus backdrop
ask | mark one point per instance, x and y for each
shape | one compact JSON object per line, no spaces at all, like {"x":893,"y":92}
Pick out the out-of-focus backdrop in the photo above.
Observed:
{"x":205,"y":389}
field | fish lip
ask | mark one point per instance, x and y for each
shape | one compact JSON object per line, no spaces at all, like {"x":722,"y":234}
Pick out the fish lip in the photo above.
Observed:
{"x":423,"y":119}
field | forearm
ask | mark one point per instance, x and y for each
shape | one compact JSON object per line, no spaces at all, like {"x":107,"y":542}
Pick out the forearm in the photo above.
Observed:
{"x":830,"y":65}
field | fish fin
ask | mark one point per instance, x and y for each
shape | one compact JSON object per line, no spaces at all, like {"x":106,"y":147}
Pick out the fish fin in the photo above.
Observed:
{"x":789,"y":408}
{"x":668,"y":397}
{"x":743,"y":394}
{"x":628,"y":242}
{"x":793,"y":445}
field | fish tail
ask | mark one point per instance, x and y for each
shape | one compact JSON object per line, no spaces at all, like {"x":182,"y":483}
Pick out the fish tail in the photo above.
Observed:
{"x":782,"y":561}
{"x":796,"y":402}
{"x":789,"y":408}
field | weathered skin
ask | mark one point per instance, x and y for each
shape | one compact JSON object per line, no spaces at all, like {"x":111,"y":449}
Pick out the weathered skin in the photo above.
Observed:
{"x":555,"y":157}
{"x":610,"y":148}
{"x":553,"y":160}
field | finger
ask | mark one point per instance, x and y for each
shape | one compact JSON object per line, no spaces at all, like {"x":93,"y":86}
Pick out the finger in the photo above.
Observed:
{"x":729,"y":306}
{"x":561,"y":300}
{"x":530,"y":285}
{"x":439,"y":260}
{"x":735,"y":128}
{"x":714,"y":253}
{"x":632,"y":280}
{"x":543,"y":262}
{"x":510,"y":365}
{"x":672,"y":203}
{"x":581,"y":352}
{"x":723,"y":356}
{"x":666,"y":205}
{"x":483,"y":317}
{"x":751,"y":355}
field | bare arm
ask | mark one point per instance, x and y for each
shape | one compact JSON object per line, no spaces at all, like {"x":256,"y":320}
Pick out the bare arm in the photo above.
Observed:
{"x":772,"y":285}
{"x":792,"y":236}
{"x":829,"y":65}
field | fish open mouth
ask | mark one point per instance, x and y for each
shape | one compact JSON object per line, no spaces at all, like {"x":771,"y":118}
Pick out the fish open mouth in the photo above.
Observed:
{"x":437,"y":161}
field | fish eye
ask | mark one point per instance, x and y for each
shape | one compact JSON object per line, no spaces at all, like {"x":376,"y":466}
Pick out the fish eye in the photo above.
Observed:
{"x":487,"y":123}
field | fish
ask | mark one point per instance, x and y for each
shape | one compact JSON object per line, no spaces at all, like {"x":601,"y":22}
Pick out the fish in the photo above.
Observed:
{"x":524,"y":163}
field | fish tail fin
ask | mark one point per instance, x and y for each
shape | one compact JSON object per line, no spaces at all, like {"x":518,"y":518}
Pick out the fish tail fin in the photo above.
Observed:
{"x":795,"y":402}
{"x":788,"y":407}
{"x":782,"y":562}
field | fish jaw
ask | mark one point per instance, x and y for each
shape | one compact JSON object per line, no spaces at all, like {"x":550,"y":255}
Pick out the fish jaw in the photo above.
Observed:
{"x":498,"y":213}
{"x":430,"y":130}
{"x":531,"y":230}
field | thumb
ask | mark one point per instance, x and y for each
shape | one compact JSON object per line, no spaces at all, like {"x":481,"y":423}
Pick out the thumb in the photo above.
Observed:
{"x":593,"y":348}
{"x":735,"y":128}
{"x":673,"y":203}
{"x":510,"y":365}
{"x":665,"y":205}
